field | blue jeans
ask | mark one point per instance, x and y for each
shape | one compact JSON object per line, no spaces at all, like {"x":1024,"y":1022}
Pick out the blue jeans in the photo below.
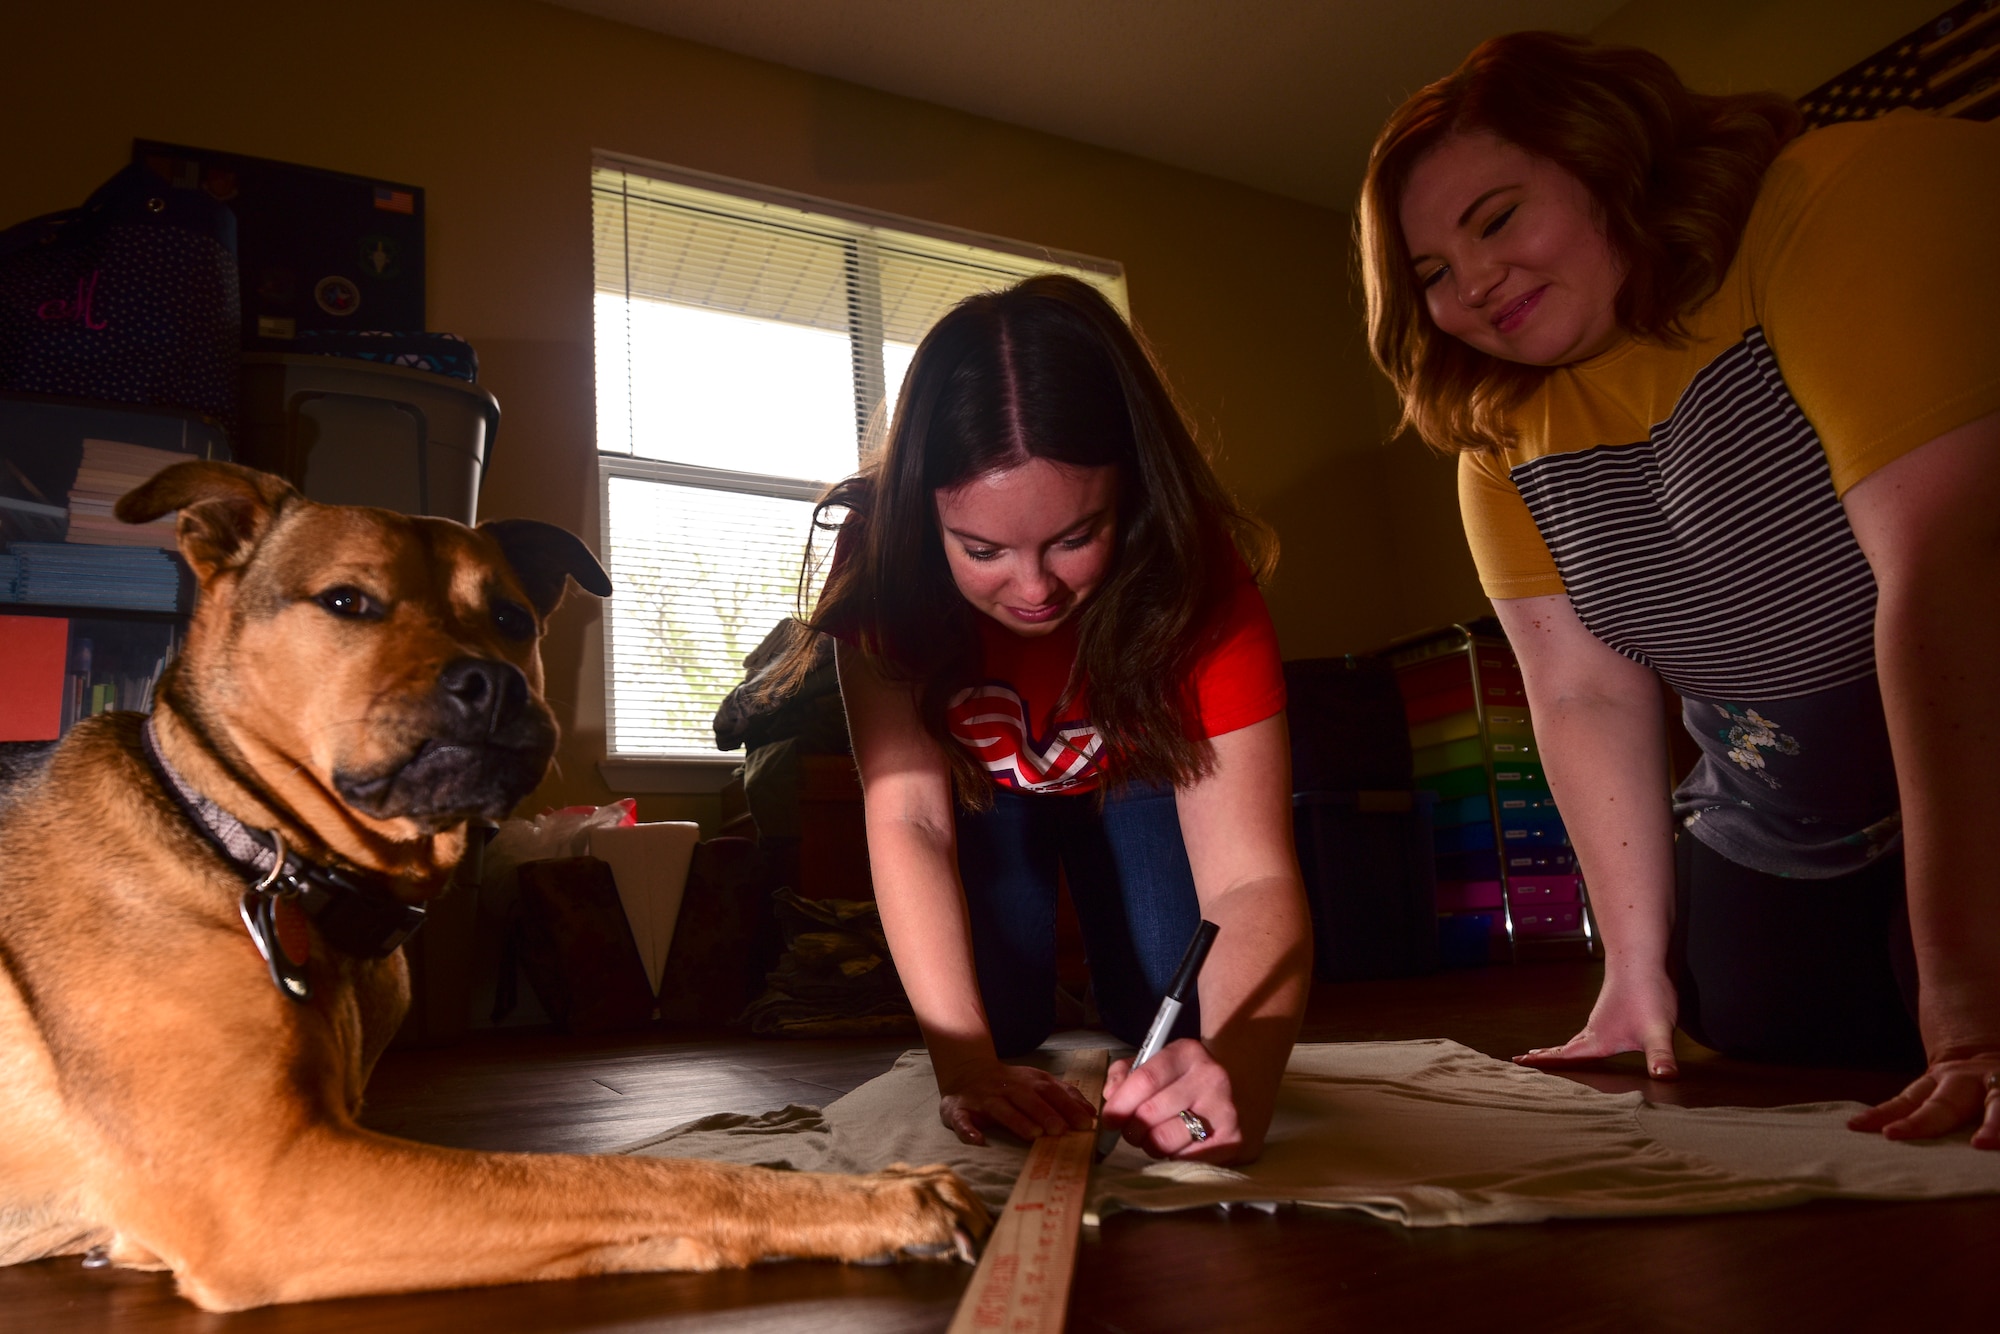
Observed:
{"x":1134,"y":893}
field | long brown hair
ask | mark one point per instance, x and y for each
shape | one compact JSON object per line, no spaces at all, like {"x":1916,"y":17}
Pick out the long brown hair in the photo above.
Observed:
{"x":1045,"y":369}
{"x":1673,"y":174}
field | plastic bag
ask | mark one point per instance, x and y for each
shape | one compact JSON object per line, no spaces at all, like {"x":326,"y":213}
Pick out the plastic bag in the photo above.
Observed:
{"x":553,"y":834}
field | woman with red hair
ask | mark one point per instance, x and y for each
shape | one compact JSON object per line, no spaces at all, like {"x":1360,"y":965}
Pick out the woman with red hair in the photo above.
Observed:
{"x":1726,"y":401}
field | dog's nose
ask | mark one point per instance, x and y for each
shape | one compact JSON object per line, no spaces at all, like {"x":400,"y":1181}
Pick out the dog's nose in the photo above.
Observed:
{"x":487,"y":695}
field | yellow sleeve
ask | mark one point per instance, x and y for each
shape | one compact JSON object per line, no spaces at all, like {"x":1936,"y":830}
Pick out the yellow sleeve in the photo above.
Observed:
{"x":1507,"y":548}
{"x":1877,"y":278}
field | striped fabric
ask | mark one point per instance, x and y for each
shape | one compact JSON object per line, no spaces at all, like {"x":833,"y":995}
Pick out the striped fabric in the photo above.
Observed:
{"x":1716,"y":551}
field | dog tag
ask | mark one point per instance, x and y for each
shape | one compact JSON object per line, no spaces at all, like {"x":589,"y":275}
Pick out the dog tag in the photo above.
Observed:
{"x":278,"y":929}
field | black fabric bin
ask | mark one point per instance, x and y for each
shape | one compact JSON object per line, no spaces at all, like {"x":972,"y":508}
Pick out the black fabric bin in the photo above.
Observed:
{"x":1370,"y":882}
{"x":1348,"y":732}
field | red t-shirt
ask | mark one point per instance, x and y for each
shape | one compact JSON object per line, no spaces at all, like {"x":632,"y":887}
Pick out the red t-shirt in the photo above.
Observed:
{"x":1238,"y":681}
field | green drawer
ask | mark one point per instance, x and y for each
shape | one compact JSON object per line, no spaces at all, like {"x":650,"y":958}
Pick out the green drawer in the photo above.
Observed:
{"x":1467,"y":752}
{"x":1455,"y":783}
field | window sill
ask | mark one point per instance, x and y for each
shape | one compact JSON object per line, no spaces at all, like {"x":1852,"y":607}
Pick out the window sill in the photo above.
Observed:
{"x":679,"y":775}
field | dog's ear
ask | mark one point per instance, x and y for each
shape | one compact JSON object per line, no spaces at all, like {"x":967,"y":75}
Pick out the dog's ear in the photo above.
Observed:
{"x":543,"y":555}
{"x":225,"y":510}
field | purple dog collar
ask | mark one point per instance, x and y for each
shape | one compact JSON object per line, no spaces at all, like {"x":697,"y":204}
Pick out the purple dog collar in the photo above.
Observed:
{"x":355,"y":913}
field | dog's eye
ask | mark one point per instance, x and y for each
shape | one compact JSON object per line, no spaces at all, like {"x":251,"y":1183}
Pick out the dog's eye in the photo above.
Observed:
{"x":350,"y":602}
{"x":513,"y":620}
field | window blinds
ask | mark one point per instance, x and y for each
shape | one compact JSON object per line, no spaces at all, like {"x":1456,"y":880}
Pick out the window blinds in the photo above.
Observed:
{"x":745,"y":339}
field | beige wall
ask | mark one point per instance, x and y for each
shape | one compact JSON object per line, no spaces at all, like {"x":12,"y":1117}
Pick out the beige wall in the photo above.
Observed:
{"x":495,"y":108}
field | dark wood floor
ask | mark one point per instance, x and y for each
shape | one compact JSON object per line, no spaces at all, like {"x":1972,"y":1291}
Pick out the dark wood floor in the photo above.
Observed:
{"x":1821,"y":1267}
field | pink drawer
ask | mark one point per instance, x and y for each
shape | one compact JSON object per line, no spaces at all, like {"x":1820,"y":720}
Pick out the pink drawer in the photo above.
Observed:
{"x":1536,"y":890}
{"x":1467,"y":895}
{"x":1531,"y":892}
{"x":1554,"y":919}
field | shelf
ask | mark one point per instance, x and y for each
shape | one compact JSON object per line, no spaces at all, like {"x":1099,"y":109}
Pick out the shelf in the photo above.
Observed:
{"x":90,"y":612}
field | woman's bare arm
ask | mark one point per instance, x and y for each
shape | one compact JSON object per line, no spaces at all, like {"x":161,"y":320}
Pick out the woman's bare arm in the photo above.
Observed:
{"x":1602,"y":734}
{"x":912,"y":853}
{"x":1929,"y":524}
{"x":1237,"y":824}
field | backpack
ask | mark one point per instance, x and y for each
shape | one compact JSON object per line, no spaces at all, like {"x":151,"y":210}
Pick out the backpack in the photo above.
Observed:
{"x":131,"y":298}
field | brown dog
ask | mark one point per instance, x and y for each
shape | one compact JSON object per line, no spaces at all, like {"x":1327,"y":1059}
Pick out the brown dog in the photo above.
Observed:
{"x":360,"y":684}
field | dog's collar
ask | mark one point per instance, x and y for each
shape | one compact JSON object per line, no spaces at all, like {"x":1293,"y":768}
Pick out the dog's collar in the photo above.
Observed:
{"x":356,"y":913}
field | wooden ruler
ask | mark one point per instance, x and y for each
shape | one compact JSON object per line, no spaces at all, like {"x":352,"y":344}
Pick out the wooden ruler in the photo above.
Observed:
{"x":1022,"y":1283}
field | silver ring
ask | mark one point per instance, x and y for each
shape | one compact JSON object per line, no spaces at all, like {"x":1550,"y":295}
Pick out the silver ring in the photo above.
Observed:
{"x":1992,"y":1085}
{"x":1197,"y":1128}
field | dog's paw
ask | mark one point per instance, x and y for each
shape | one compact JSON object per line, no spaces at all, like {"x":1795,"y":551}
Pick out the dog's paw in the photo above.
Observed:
{"x":930,"y":1214}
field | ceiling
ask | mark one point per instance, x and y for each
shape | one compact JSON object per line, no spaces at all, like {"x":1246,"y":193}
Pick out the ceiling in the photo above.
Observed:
{"x":1283,"y":95}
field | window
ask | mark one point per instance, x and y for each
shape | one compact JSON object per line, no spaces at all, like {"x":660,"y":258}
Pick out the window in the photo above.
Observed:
{"x":747,"y":342}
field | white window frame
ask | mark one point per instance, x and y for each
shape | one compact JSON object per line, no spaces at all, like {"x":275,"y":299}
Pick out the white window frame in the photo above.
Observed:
{"x":689,"y":773}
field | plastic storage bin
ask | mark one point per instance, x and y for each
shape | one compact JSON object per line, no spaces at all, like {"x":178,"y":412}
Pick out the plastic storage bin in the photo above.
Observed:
{"x":349,"y":432}
{"x":1502,"y":855}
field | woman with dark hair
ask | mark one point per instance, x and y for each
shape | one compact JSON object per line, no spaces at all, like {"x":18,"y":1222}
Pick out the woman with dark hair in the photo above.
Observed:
{"x":1054,"y":655}
{"x":1726,"y":401}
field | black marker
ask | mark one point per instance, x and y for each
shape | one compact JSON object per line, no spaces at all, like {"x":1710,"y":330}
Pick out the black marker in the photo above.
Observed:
{"x":1177,"y":995}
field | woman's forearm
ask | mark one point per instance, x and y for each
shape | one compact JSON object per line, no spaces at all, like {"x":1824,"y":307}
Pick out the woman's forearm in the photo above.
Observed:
{"x":913,"y":861}
{"x":1602,"y":734}
{"x":1237,"y":825}
{"x":1936,"y":653}
{"x":1929,"y":523}
{"x":1253,"y":991}
{"x":1607,"y":765}
{"x":924,"y":917}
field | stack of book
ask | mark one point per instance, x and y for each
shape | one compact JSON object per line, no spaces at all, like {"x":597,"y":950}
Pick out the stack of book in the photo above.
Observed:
{"x":72,"y":575}
{"x":23,"y":520}
{"x":110,"y":469}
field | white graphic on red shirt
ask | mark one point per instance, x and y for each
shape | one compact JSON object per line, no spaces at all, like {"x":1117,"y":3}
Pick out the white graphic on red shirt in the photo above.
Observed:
{"x":992,"y":723}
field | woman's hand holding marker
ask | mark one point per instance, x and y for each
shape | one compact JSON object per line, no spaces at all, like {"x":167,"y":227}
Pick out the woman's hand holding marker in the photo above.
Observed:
{"x":1148,"y":1102}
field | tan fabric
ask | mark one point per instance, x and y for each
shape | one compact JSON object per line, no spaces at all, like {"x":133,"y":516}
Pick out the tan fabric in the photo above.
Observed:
{"x":1427,"y":1133}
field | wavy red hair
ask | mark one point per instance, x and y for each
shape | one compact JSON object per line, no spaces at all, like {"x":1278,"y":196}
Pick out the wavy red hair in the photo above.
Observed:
{"x":1673,"y":174}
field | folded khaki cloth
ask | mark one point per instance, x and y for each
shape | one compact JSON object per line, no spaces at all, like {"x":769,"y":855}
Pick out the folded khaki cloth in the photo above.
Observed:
{"x":1426,"y":1133}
